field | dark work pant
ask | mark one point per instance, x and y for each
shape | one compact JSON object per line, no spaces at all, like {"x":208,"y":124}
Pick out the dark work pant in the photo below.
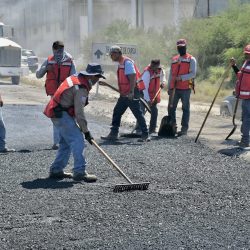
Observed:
{"x":245,"y":127}
{"x":184,"y":95}
{"x":121,"y":106}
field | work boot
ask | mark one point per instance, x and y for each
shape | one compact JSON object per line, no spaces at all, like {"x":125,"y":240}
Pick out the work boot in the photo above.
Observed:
{"x":59,"y":175}
{"x":242,"y":144}
{"x":110,"y":137}
{"x":144,"y":138}
{"x":84,"y":177}
{"x":152,"y":131}
{"x":182,"y":132}
{"x":7,"y":150}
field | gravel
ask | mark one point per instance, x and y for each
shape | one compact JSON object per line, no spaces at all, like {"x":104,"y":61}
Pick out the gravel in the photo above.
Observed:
{"x":197,"y":198}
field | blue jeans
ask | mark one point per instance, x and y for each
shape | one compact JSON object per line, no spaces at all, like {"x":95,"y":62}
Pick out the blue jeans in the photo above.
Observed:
{"x":184,"y":95}
{"x":2,"y":132}
{"x":71,"y":140}
{"x":56,"y":136}
{"x":245,"y":127}
{"x":121,"y":106}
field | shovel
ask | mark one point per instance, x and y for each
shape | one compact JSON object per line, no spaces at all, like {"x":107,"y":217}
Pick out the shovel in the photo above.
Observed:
{"x":145,"y":104}
{"x":234,"y":115}
{"x":222,"y":81}
{"x":122,"y":187}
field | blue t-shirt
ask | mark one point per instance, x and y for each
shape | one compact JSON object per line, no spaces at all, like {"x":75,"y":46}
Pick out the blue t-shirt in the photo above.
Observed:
{"x":129,"y":68}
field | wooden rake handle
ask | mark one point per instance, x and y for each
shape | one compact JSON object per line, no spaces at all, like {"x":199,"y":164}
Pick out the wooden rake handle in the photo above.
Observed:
{"x":111,"y":161}
{"x":222,"y":81}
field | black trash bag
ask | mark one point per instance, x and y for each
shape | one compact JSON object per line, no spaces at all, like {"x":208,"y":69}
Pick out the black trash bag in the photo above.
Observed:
{"x":167,"y":127}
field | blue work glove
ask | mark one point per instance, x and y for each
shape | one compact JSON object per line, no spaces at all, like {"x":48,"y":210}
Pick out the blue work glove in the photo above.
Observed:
{"x":88,"y":137}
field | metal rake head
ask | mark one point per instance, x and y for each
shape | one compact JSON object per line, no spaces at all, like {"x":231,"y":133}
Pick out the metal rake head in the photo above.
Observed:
{"x":130,"y":187}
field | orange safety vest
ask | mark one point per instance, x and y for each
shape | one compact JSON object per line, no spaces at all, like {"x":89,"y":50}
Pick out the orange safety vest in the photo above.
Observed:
{"x":55,"y":100}
{"x":243,"y":81}
{"x":180,"y":68}
{"x":154,"y":83}
{"x":58,"y":75}
{"x":123,"y":82}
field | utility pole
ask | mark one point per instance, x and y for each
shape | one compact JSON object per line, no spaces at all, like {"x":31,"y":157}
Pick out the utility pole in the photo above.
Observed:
{"x":208,"y":8}
{"x":90,"y":16}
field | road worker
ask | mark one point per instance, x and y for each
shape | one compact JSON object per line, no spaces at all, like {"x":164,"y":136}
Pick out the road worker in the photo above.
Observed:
{"x":3,"y":148}
{"x":180,"y":84}
{"x":243,"y":92}
{"x":66,"y":110}
{"x":129,"y":89}
{"x":154,"y":80}
{"x":57,"y":68}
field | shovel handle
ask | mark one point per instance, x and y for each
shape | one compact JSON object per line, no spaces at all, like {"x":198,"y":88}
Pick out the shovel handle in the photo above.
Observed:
{"x":111,"y":161}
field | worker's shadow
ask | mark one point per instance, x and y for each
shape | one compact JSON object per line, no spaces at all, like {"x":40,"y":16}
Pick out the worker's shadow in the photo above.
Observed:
{"x":234,"y":151}
{"x":47,"y":184}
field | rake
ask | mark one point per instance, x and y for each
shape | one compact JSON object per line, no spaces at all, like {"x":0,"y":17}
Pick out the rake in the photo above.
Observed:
{"x":122,"y":187}
{"x":234,"y":115}
{"x":145,"y":104}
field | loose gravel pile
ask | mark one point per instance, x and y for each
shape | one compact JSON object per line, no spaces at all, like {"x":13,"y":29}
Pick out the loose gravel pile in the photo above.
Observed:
{"x":197,"y":199}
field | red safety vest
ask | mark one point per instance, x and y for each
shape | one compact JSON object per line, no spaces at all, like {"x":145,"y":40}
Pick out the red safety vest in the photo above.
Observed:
{"x":154,"y":83}
{"x":55,"y":100}
{"x":243,"y":81}
{"x":58,"y":75}
{"x":123,"y":82}
{"x":180,"y":68}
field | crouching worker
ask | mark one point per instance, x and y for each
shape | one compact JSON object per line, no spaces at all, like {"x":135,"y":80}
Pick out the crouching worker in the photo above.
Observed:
{"x":66,"y":110}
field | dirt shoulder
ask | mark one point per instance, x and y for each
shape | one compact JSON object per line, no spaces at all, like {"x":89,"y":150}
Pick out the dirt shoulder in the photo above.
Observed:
{"x":103,"y":99}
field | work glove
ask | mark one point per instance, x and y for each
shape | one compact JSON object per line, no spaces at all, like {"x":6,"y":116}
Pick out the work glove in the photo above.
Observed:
{"x":162,"y":85}
{"x":232,"y":61}
{"x":88,"y":137}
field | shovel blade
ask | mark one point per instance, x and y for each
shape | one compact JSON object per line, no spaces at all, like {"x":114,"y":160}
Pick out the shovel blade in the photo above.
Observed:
{"x":233,"y":130}
{"x":131,"y":187}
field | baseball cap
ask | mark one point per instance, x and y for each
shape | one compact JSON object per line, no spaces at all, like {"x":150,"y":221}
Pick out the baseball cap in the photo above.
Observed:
{"x":57,"y":45}
{"x":115,"y":49}
{"x":181,"y":42}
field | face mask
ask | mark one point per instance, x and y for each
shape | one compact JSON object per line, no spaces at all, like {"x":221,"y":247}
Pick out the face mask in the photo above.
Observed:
{"x":182,"y":50}
{"x":58,"y":55}
{"x":90,"y":83}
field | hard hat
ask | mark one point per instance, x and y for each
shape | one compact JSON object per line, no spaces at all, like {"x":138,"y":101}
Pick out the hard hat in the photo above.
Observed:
{"x":247,"y":49}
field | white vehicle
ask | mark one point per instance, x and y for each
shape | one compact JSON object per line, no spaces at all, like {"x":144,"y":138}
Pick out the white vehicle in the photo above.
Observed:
{"x":228,"y":104}
{"x":10,"y":56}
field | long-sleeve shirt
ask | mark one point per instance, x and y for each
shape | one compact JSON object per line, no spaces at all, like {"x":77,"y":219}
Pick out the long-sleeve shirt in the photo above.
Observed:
{"x":146,"y":79}
{"x":190,"y":75}
{"x":43,"y":69}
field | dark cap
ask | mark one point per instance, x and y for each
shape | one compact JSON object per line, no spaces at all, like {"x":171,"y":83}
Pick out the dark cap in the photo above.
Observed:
{"x":181,"y":43}
{"x":115,"y":49}
{"x":93,"y":69}
{"x":57,"y":45}
{"x":155,"y":61}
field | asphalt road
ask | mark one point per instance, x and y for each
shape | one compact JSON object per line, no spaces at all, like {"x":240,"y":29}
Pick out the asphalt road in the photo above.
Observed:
{"x":197,"y":198}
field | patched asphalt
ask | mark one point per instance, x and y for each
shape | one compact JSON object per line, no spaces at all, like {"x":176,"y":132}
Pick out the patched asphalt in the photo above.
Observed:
{"x":197,"y":198}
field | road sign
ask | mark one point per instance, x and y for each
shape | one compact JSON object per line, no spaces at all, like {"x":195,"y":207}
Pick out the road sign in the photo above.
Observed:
{"x":100,"y":52}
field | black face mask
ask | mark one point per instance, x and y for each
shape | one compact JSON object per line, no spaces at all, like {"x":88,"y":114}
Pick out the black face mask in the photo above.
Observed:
{"x":182,"y":50}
